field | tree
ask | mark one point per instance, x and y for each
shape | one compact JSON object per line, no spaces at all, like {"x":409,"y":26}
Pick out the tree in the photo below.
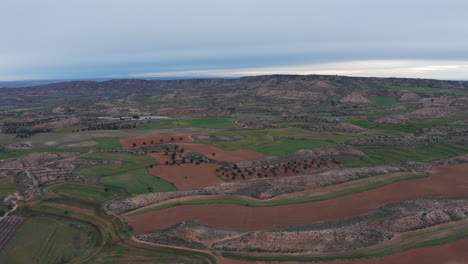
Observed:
{"x":134,"y":144}
{"x":213,"y":154}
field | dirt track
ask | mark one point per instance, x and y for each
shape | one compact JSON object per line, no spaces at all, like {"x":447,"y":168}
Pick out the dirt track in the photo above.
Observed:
{"x":447,"y":180}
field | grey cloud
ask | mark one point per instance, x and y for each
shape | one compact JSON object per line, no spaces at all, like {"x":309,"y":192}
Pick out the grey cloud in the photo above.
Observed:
{"x":78,"y":38}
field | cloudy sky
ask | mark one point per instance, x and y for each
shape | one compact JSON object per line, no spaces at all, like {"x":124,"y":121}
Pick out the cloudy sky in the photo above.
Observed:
{"x":192,"y":38}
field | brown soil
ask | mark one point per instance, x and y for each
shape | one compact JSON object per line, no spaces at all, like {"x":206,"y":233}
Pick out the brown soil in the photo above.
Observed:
{"x":446,"y":180}
{"x":188,"y":176}
{"x":355,"y":97}
{"x":221,"y":154}
{"x":186,"y":137}
{"x":449,"y":253}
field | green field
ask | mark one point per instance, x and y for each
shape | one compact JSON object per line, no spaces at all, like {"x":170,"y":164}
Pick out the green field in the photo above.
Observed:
{"x":138,"y":181}
{"x":383,"y":100}
{"x":108,"y":143}
{"x":40,"y":240}
{"x":7,"y":186}
{"x":378,"y":155}
{"x":88,"y":193}
{"x":286,"y":140}
{"x":129,"y":163}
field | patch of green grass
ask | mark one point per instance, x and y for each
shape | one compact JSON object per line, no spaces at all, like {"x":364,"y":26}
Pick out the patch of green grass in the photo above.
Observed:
{"x":356,"y":187}
{"x":108,"y":143}
{"x":87,"y":193}
{"x":129,"y":163}
{"x":378,"y":155}
{"x":40,"y":240}
{"x":7,"y":186}
{"x":29,"y":151}
{"x":407,"y":127}
{"x":138,"y":182}
{"x":383,"y":100}
{"x":287,"y":140}
{"x":253,"y":115}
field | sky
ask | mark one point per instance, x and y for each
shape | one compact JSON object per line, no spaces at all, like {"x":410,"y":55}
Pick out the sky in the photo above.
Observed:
{"x":198,"y":38}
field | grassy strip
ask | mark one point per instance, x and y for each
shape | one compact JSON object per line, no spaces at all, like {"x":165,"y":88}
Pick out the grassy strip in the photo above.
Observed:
{"x":129,"y":162}
{"x":423,"y":238}
{"x":383,"y":100}
{"x":108,"y":143}
{"x":29,"y":151}
{"x":378,"y":155}
{"x":87,"y":193}
{"x":40,"y":240}
{"x":362,"y":186}
{"x":213,"y":123}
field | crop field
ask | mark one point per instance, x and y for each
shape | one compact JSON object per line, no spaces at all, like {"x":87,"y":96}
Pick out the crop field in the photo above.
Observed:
{"x":7,"y":186}
{"x":380,"y":100}
{"x":88,"y":193}
{"x":290,"y":140}
{"x":129,"y":163}
{"x":137,"y":182}
{"x":390,"y":155}
{"x":40,"y":240}
{"x":108,"y":143}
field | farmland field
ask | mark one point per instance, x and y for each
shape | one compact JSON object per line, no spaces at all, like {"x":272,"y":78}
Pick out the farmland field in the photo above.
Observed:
{"x":263,"y":169}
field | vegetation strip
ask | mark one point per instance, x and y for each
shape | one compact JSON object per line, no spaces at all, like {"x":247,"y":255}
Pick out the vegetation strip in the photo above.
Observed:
{"x":423,"y":238}
{"x":343,"y":190}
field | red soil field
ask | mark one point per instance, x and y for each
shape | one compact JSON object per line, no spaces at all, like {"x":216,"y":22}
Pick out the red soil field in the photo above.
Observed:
{"x":221,"y":154}
{"x":449,"y":253}
{"x":188,"y":176}
{"x":446,"y":180}
{"x":186,"y":137}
